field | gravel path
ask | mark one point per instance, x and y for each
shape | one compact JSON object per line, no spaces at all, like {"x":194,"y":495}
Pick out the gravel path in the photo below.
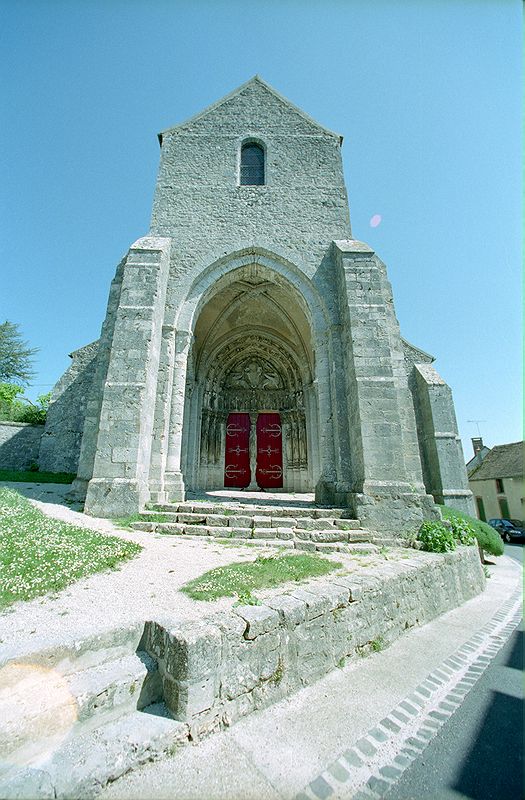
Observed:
{"x":144,"y":588}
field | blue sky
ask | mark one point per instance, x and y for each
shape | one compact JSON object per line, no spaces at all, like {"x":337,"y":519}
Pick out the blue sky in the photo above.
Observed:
{"x":427,"y":95}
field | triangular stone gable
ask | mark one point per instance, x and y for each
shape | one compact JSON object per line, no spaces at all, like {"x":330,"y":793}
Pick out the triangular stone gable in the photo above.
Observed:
{"x":255,"y":106}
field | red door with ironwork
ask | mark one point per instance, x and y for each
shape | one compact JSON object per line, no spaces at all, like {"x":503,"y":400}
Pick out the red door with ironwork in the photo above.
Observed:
{"x":269,"y":473}
{"x":237,"y":457}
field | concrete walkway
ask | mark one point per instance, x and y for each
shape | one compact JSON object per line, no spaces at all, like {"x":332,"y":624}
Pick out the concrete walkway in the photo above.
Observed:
{"x":353,"y":733}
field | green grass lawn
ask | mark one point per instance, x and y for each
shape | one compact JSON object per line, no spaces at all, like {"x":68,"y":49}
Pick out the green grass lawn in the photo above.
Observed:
{"x":242,"y":578}
{"x":39,"y":554}
{"x":33,"y":476}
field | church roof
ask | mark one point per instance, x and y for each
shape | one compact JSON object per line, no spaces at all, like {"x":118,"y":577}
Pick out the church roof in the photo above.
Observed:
{"x":259,"y":82}
{"x":503,"y":461}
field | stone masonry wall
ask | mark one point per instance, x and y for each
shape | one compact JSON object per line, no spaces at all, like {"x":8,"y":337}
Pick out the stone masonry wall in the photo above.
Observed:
{"x":19,"y":444}
{"x":444,"y":468}
{"x":60,"y":446}
{"x":200,"y":204}
{"x":234,"y":662}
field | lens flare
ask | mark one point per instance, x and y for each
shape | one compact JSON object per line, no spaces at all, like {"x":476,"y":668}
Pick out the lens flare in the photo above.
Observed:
{"x":375,"y":220}
{"x":38,"y":711}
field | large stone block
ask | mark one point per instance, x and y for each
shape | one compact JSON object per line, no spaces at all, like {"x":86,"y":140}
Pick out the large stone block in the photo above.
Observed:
{"x":192,"y":651}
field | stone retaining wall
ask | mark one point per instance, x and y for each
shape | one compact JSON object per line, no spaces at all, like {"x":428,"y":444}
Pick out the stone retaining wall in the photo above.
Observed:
{"x":19,"y":444}
{"x":216,"y":671}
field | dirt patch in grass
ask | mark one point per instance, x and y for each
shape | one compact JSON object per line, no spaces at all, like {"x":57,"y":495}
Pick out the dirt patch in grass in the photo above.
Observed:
{"x":39,"y":554}
{"x":241,"y":579}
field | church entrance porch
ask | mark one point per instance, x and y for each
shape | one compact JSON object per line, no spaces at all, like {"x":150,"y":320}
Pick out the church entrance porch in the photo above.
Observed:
{"x":253,"y":451}
{"x":250,"y":419}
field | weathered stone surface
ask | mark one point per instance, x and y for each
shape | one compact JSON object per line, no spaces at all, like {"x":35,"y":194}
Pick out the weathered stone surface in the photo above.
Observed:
{"x":26,"y":783}
{"x":316,"y":603}
{"x":337,"y":596}
{"x":259,"y":619}
{"x":197,"y":530}
{"x":217,"y":520}
{"x":192,"y":651}
{"x":306,"y":544}
{"x":20,"y":445}
{"x":143,"y":526}
{"x":284,"y":522}
{"x":264,"y":533}
{"x":241,"y":533}
{"x":192,"y":519}
{"x":332,"y":535}
{"x":316,"y":524}
{"x":262,"y":522}
{"x":284,"y":533}
{"x":169,"y":527}
{"x":240,"y":521}
{"x":291,"y":610}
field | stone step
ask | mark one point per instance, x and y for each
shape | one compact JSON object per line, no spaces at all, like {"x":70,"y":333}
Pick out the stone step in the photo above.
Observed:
{"x":250,"y":510}
{"x":230,"y":520}
{"x":45,"y":703}
{"x":89,"y":759}
{"x":76,"y":652}
{"x":132,"y":682}
{"x":324,"y":536}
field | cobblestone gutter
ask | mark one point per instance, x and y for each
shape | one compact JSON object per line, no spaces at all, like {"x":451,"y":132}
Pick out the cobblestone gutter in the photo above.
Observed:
{"x":229,"y":664}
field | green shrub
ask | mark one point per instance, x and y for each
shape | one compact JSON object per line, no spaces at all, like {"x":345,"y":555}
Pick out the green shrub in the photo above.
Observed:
{"x":488,"y":539}
{"x":436,"y":537}
{"x":462,"y":530}
{"x":15,"y":407}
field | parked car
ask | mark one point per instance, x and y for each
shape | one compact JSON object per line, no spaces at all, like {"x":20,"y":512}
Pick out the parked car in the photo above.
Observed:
{"x":508,"y":530}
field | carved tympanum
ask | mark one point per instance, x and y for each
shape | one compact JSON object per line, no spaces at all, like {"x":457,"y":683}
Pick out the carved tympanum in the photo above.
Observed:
{"x":253,"y":374}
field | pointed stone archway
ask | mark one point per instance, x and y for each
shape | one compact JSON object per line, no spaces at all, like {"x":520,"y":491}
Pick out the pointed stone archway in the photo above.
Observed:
{"x":251,"y":353}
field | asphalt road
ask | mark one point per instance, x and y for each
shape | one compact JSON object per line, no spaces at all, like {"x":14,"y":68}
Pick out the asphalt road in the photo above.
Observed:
{"x":515,"y":551}
{"x":478,"y":754}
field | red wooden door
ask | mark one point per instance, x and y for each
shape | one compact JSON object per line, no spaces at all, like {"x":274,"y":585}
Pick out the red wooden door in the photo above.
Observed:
{"x":269,"y":473}
{"x":237,"y":457}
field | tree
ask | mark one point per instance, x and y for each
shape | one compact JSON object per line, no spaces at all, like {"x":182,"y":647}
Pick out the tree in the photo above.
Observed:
{"x":16,"y":357}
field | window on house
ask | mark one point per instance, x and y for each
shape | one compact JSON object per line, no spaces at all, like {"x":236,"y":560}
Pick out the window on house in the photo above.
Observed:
{"x":252,"y":164}
{"x":499,"y":486}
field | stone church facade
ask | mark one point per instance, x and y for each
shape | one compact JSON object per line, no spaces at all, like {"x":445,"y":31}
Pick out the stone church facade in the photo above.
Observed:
{"x":250,"y":341}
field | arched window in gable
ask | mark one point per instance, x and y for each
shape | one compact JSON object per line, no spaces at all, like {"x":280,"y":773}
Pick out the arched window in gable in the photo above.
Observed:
{"x":252,"y":164}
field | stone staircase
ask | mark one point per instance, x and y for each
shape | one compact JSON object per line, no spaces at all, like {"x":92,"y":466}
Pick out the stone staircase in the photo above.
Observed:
{"x":294,"y":526}
{"x":82,"y":717}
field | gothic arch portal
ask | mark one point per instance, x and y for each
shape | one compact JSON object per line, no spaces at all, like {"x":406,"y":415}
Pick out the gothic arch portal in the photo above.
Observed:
{"x":252,"y":350}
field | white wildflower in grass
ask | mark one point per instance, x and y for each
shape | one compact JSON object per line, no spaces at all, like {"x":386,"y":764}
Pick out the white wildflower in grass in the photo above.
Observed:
{"x":39,"y":554}
{"x":241,"y":578}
